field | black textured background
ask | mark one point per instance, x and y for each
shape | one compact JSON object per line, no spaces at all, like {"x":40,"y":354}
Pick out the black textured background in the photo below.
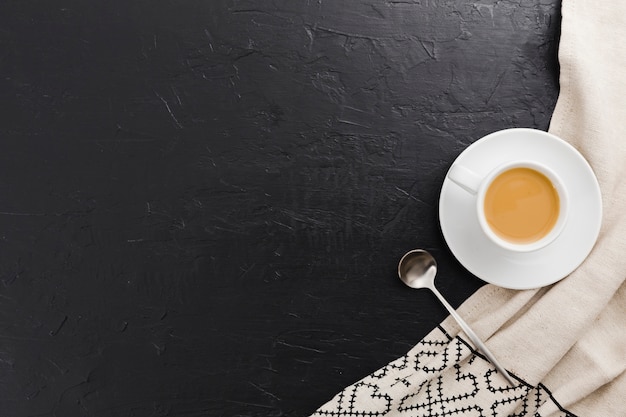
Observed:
{"x":202,"y":203}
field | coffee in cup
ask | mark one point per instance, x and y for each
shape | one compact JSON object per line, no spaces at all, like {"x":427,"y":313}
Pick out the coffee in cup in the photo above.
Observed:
{"x":521,"y":205}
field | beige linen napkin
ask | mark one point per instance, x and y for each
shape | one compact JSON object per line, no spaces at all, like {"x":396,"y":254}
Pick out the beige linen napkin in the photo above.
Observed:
{"x":566,"y":344}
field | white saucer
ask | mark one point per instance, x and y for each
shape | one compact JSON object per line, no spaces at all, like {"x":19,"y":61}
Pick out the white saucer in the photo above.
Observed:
{"x":479,"y":255}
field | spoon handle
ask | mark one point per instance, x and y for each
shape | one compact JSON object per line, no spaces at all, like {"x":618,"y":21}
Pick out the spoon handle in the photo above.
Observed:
{"x":473,"y":337}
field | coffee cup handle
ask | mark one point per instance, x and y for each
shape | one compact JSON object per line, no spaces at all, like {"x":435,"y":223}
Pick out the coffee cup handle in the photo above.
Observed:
{"x":465,"y":178}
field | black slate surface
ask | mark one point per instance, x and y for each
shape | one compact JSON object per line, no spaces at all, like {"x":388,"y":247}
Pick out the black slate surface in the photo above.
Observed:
{"x":202,"y":203}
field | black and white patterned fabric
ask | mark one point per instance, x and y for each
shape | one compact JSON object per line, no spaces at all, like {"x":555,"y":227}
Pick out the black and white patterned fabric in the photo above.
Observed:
{"x":441,"y":376}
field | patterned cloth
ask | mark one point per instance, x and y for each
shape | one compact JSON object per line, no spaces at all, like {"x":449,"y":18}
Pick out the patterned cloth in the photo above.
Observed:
{"x":441,"y":376}
{"x":565,"y":344}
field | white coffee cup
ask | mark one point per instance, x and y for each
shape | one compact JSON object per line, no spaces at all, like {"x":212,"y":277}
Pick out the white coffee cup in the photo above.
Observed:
{"x":527,"y":206}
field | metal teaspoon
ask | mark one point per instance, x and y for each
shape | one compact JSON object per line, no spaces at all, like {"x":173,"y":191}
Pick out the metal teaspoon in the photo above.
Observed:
{"x":417,"y":269}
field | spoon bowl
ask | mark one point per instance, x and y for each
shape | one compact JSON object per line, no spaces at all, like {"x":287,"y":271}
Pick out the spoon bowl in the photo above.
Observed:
{"x":417,"y":269}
